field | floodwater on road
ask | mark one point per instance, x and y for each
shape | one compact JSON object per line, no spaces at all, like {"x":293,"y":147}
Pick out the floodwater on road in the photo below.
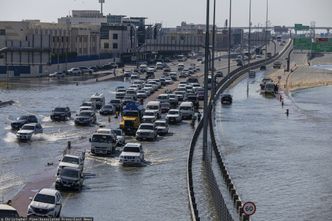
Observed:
{"x":281,"y":163}
{"x":156,"y":191}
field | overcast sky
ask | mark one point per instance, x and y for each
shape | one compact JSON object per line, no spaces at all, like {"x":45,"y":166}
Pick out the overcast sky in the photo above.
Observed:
{"x":172,"y":12}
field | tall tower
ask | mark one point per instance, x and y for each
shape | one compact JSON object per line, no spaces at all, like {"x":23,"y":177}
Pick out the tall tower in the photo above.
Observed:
{"x":101,"y":5}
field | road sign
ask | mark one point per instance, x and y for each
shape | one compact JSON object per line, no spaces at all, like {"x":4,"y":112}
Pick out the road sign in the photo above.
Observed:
{"x":314,"y":45}
{"x":249,"y":208}
{"x":300,"y":27}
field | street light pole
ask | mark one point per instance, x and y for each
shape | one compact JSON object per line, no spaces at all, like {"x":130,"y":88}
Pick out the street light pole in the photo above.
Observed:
{"x":249,"y":41}
{"x":206,"y":72}
{"x":229,"y":36}
{"x":213,"y":48}
{"x":265,"y":34}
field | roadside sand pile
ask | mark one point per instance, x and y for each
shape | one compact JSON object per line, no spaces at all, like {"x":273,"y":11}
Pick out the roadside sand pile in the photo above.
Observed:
{"x":302,"y":77}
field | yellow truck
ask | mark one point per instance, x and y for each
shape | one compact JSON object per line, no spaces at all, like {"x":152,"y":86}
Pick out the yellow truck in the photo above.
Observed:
{"x":131,"y":117}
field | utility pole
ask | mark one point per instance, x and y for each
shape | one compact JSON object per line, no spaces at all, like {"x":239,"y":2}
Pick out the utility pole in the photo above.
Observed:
{"x":213,"y":49}
{"x":249,"y":41}
{"x":229,"y":36}
{"x":206,"y":72}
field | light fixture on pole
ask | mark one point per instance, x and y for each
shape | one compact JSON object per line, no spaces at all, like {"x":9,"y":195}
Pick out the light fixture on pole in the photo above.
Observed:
{"x":206,"y":72}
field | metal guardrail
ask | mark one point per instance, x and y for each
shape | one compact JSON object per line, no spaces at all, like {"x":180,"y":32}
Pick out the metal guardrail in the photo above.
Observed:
{"x":218,"y":199}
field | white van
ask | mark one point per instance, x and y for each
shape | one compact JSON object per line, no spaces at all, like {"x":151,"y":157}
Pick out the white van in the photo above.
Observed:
{"x":155,"y":106}
{"x":98,"y":100}
{"x":187,"y":109}
{"x":103,"y":141}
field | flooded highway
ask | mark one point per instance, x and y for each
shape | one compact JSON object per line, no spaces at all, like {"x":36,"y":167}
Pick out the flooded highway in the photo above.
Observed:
{"x":110,"y":190}
{"x":281,"y":163}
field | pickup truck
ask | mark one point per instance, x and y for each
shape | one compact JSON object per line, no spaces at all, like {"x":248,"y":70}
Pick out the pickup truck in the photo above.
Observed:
{"x":72,"y":161}
{"x":26,"y":132}
{"x":25,"y":119}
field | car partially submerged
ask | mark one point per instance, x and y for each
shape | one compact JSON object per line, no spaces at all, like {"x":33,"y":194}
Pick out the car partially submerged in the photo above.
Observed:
{"x":226,"y":99}
{"x":132,"y":154}
{"x":162,"y":127}
{"x":26,"y":132}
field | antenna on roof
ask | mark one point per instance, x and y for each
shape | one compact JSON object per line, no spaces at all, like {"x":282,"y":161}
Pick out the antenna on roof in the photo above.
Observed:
{"x":101,"y":5}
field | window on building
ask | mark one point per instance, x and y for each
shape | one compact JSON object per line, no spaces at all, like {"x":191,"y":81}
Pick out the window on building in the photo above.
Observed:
{"x":115,"y":36}
{"x":106,"y":45}
{"x":115,"y":45}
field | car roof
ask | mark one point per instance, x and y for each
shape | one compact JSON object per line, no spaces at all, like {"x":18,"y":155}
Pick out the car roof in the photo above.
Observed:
{"x":70,"y":155}
{"x":161,"y":121}
{"x":48,"y":191}
{"x":103,"y":131}
{"x":133,"y":145}
{"x":148,"y":124}
{"x":87,"y":111}
{"x":30,"y":124}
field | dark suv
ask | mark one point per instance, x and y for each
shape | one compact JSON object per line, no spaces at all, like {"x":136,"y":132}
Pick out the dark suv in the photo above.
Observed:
{"x":25,"y":119}
{"x":60,"y":113}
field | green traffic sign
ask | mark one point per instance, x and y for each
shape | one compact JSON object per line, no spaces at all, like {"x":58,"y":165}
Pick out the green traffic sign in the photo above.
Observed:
{"x":318,"y":45}
{"x":300,"y":27}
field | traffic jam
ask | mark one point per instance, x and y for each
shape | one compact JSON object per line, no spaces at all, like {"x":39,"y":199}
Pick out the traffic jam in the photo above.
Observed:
{"x":142,"y":111}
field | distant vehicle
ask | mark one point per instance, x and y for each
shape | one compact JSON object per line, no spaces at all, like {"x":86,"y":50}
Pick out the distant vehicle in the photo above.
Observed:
{"x":103,"y":141}
{"x":269,"y":54}
{"x":7,"y":211}
{"x":132,"y":154}
{"x":141,"y":94}
{"x":192,"y":80}
{"x":219,"y":74}
{"x":60,"y":114}
{"x":279,"y":38}
{"x":107,"y":109}
{"x":162,"y":127}
{"x":27,"y":130}
{"x":89,"y":104}
{"x":180,"y":66}
{"x":74,"y":71}
{"x":187,"y":109}
{"x":120,"y":93}
{"x":46,"y":203}
{"x":143,"y":68}
{"x":69,"y":178}
{"x":264,"y":81}
{"x":226,"y":99}
{"x":57,"y":75}
{"x":120,"y":136}
{"x":85,"y":118}
{"x":174,"y":116}
{"x":277,"y":65}
{"x":173,"y":100}
{"x":160,"y":65}
{"x":146,"y":131}
{"x":174,"y":76}
{"x":116,"y":103}
{"x":269,"y":88}
{"x":200,"y":93}
{"x":154,"y":106}
{"x":85,"y":70}
{"x":98,"y":99}
{"x":25,"y":119}
{"x":73,"y":161}
{"x":149,"y":116}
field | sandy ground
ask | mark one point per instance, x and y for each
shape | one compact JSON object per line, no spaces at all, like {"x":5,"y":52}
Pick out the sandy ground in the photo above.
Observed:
{"x":303,"y":76}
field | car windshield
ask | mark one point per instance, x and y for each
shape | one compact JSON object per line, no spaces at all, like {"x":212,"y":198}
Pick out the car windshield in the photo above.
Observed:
{"x":130,"y":114}
{"x":153,"y":107}
{"x":162,"y":97}
{"x":73,"y":160}
{"x":70,"y":173}
{"x":102,"y":138}
{"x":44,"y":198}
{"x":160,"y":124}
{"x":86,"y":104}
{"x":117,"y":132}
{"x":131,"y":149}
{"x":85,"y":114}
{"x":28,"y":127}
{"x":173,"y":112}
{"x":185,"y":108}
{"x":122,"y":90}
{"x":108,"y":107}
{"x":149,"y":113}
{"x":22,"y":118}
{"x":59,"y":109}
{"x":115,"y":102}
{"x":146,"y":127}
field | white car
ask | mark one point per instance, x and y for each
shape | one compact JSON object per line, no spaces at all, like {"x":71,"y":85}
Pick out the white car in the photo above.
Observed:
{"x":27,"y":130}
{"x":7,"y":211}
{"x":46,"y":203}
{"x":146,"y":131}
{"x":73,"y":161}
{"x":162,"y":127}
{"x":174,"y":116}
{"x":120,"y":137}
{"x":142,"y":94}
{"x":150,"y":116}
{"x":132,"y":154}
{"x":74,"y":71}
